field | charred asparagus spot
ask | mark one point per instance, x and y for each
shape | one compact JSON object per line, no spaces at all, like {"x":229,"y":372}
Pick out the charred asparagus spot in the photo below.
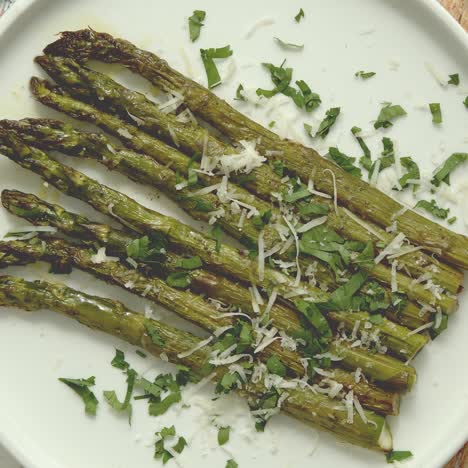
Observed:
{"x":148,"y":170}
{"x":220,"y":256}
{"x":189,"y":137}
{"x":114,"y":318}
{"x":353,"y":193}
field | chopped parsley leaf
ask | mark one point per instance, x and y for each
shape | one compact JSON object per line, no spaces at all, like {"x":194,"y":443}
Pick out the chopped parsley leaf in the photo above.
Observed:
{"x":303,"y":97}
{"x":147,"y":246}
{"x":466,"y":102}
{"x":239,"y":93}
{"x":443,"y":173}
{"x":195,"y":24}
{"x":81,"y":387}
{"x":388,"y":113}
{"x":431,"y":207}
{"x":342,"y":298}
{"x":314,"y":317}
{"x":119,"y":360}
{"x":160,"y":452}
{"x":436,"y":112}
{"x":140,"y":353}
{"x":113,"y":401}
{"x":317,"y":209}
{"x":191,"y":263}
{"x":452,"y":220}
{"x":216,"y":235}
{"x":178,"y":279}
{"x":278,"y":168}
{"x":366,"y":258}
{"x":365,"y":160}
{"x":398,"y":455}
{"x":412,"y":173}
{"x":262,"y":219}
{"x":299,"y":16}
{"x":454,"y":79}
{"x":330,"y":118}
{"x":223,"y":435}
{"x":288,"y":45}
{"x":153,"y":333}
{"x":275,"y":366}
{"x":272,"y":124}
{"x":376,"y":319}
{"x":344,"y":161}
{"x":364,"y":75}
{"x":208,"y":56}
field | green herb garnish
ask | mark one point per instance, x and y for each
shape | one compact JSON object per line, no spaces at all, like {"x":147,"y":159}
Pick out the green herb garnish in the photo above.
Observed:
{"x":239,"y":93}
{"x":278,"y":168}
{"x":431,"y":207}
{"x":330,"y":118}
{"x":303,"y":97}
{"x":317,"y":209}
{"x":195,"y":24}
{"x":179,"y":280}
{"x":223,"y":435}
{"x":140,"y":353}
{"x":443,"y":173}
{"x":154,"y":334}
{"x":299,"y":16}
{"x":366,"y":159}
{"x":191,"y":263}
{"x":412,"y":172}
{"x":215,"y":234}
{"x":398,"y":455}
{"x":454,"y":79}
{"x":388,"y":113}
{"x":436,"y":112}
{"x":160,"y":452}
{"x":364,"y":75}
{"x":81,"y":387}
{"x":208,"y":56}
{"x":113,"y":401}
{"x":119,"y":360}
{"x":147,"y":246}
{"x":275,"y":366}
{"x":376,"y":319}
{"x":452,"y":220}
{"x":344,"y":161}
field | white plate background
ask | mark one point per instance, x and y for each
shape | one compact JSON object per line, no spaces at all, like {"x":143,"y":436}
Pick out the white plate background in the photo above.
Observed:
{"x":41,"y":421}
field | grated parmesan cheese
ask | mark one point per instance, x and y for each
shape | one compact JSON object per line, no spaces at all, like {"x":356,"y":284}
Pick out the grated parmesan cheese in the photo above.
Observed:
{"x":200,"y":345}
{"x":311,"y":224}
{"x":101,"y":257}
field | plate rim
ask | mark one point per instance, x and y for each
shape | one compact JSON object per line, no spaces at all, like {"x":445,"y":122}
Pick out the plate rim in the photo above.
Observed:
{"x":434,"y":8}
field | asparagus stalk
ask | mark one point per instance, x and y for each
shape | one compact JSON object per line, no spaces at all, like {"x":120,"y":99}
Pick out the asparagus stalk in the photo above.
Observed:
{"x":114,"y":318}
{"x":356,"y":194}
{"x":234,"y":263}
{"x":148,"y":170}
{"x":222,"y":256}
{"x":191,"y":307}
{"x":39,"y":212}
{"x":192,"y":139}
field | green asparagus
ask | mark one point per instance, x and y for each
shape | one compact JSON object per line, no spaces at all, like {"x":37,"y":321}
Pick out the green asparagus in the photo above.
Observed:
{"x":142,"y":219}
{"x":191,"y":138}
{"x":357,"y":195}
{"x":186,"y":304}
{"x":146,"y":169}
{"x":114,"y":318}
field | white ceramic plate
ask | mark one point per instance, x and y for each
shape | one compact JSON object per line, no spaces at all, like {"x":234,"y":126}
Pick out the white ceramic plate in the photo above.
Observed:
{"x":41,"y":421}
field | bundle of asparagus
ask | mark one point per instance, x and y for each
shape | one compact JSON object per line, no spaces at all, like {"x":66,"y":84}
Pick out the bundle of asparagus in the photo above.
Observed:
{"x":317,"y":286}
